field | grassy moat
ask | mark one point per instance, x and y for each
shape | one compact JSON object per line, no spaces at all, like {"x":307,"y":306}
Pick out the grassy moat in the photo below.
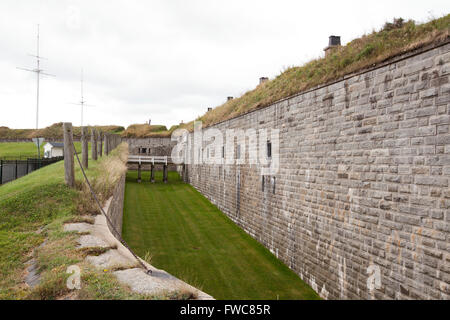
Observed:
{"x":190,"y":238}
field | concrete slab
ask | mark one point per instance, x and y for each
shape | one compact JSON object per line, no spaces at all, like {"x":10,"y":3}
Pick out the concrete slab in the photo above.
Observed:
{"x":110,"y":260}
{"x":90,"y":241}
{"x":79,"y":227}
{"x":156,"y":283}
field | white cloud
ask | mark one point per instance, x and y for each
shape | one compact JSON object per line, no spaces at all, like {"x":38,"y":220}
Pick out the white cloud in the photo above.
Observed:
{"x":166,"y":60}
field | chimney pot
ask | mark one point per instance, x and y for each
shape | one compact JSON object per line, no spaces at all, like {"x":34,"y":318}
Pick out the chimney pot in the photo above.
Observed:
{"x":333,"y":42}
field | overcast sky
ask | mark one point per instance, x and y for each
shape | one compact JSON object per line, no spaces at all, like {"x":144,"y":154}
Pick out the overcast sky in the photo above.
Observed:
{"x":167,"y":60}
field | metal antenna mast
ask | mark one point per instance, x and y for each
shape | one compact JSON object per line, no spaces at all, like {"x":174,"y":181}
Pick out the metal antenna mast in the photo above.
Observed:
{"x":82,"y":103}
{"x":38,"y":72}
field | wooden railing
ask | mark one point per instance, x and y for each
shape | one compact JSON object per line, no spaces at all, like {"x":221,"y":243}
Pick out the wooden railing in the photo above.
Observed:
{"x":149,"y":159}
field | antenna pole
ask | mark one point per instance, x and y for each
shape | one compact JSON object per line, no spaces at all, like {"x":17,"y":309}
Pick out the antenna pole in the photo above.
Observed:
{"x":38,"y":72}
{"x":82,"y":98}
{"x":82,"y":103}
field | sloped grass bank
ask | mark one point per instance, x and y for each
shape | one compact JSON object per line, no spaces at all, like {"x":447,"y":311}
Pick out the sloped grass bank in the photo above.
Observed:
{"x":51,"y":132}
{"x":190,"y":238}
{"x":16,"y":150}
{"x":33,"y":210}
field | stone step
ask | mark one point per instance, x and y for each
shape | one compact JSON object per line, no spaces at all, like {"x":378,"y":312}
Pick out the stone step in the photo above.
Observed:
{"x":80,"y":227}
{"x":111,"y":259}
{"x":156,"y":283}
{"x":90,"y":241}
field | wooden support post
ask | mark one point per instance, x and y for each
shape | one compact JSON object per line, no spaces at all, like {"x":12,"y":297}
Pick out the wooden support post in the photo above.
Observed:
{"x":84,"y":148}
{"x":93,"y":144}
{"x":69,"y":169}
{"x":152,"y":173}
{"x":106,"y":135}
{"x":100,"y":143}
{"x":139,"y":173}
{"x":165,"y":173}
{"x":110,"y":143}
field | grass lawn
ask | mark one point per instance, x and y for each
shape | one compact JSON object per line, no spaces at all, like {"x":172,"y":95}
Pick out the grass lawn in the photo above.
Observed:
{"x":12,"y":150}
{"x":189,"y":237}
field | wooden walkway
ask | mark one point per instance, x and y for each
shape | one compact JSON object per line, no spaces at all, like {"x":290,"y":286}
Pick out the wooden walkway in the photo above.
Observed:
{"x":152,"y":160}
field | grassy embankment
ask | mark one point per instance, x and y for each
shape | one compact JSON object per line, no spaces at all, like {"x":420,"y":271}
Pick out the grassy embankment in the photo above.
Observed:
{"x":52,"y":132}
{"x":23,"y":150}
{"x":393,"y":39}
{"x":190,"y":238}
{"x":33,"y":209}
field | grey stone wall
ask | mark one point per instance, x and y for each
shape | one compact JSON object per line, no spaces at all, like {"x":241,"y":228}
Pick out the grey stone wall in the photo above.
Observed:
{"x":363,"y":184}
{"x":115,"y":209}
{"x":154,"y":146}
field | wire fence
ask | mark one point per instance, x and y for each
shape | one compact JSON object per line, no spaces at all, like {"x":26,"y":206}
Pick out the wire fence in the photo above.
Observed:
{"x":14,"y":169}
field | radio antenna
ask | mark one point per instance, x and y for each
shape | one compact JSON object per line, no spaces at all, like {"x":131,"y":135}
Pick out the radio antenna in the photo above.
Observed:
{"x":38,"y":72}
{"x":82,"y":102}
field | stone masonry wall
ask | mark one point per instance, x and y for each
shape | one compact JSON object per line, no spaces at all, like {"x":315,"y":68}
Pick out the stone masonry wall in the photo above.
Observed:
{"x":115,"y":209}
{"x":360,"y":207}
{"x":155,"y":146}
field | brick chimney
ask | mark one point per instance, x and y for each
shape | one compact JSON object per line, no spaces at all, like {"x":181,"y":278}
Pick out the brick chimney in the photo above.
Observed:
{"x":263,"y":79}
{"x":333,"y":42}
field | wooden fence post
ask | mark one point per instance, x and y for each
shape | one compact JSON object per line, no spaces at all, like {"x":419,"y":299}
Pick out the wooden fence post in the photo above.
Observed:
{"x":69,"y":169}
{"x":106,"y":135}
{"x":93,"y":144}
{"x":139,"y":173}
{"x":84,"y":148}
{"x":165,"y":173}
{"x":100,"y":144}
